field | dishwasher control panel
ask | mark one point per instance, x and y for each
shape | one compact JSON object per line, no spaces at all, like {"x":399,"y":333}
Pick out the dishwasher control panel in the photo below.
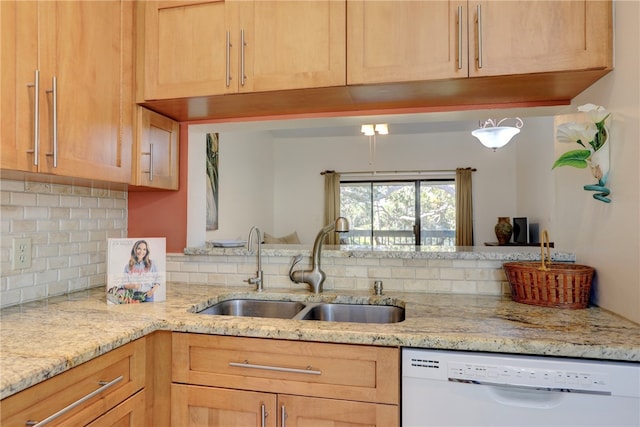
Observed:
{"x":536,"y":372}
{"x":550,"y":379}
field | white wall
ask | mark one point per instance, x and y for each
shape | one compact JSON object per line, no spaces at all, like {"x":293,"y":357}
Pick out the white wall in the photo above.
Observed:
{"x":534,"y":178}
{"x":607,"y":236}
{"x":276,"y":184}
{"x":246,"y":191}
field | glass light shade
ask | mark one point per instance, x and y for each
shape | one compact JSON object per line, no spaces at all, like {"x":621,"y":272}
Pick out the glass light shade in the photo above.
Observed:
{"x":382,"y":129}
{"x":367,"y":130}
{"x":495,"y":137}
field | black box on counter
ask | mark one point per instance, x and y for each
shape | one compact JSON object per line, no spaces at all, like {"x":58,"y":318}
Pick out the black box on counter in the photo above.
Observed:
{"x":136,"y":270}
{"x":520,"y":230}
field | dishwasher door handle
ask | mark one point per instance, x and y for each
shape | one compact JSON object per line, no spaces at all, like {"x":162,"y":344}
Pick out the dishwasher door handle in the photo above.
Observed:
{"x":531,"y":388}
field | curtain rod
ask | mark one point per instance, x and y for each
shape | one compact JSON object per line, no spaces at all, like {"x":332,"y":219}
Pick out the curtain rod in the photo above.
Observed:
{"x":406,"y":172}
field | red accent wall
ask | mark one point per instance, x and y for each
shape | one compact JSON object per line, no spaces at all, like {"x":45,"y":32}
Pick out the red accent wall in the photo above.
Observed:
{"x":162,"y":213}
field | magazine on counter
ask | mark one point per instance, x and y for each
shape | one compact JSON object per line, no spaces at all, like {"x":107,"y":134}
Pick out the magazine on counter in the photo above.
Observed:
{"x":136,"y":270}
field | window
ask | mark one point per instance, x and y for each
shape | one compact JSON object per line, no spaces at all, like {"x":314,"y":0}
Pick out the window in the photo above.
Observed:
{"x":407,"y":212}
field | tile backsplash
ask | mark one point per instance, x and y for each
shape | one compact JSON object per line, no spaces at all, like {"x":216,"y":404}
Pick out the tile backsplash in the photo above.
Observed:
{"x":458,"y":276}
{"x":68,"y":226}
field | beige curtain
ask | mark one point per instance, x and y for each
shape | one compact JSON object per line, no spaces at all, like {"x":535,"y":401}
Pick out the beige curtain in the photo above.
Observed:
{"x":331,"y":203}
{"x":464,"y":207}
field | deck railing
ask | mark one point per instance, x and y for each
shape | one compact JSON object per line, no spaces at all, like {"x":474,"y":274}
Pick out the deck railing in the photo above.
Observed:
{"x":399,"y":238}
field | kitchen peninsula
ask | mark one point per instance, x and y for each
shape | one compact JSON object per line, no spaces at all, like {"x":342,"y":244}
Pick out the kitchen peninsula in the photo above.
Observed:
{"x":45,"y":338}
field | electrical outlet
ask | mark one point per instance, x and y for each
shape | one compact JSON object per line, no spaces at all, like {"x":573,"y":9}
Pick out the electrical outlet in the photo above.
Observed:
{"x":21,"y":253}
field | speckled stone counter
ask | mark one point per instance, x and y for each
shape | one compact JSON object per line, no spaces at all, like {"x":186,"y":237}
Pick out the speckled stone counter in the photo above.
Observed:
{"x":491,"y":253}
{"x":41,"y":339}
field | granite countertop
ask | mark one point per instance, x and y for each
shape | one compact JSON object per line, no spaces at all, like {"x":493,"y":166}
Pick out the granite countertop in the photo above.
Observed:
{"x":44,"y":338}
{"x":492,"y":253}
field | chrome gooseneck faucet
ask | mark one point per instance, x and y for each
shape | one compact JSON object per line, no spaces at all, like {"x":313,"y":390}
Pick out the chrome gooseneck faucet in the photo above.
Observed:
{"x":315,"y":277}
{"x":258,"y":279}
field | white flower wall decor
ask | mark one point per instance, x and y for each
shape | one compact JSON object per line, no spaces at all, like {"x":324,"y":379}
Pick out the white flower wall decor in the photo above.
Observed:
{"x":593,"y":136}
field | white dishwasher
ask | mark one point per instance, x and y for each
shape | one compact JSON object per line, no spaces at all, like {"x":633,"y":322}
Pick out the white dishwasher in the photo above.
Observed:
{"x":457,"y":388}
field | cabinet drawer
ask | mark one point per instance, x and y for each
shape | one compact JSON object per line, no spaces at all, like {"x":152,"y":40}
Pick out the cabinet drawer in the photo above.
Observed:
{"x":130,"y":413}
{"x":122,"y":368}
{"x":342,"y":371}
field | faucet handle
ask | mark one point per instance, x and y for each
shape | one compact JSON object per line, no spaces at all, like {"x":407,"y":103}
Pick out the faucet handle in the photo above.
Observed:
{"x":296,"y":260}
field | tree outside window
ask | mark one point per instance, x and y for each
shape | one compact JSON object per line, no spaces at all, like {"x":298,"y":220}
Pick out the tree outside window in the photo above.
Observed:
{"x":391,"y":213}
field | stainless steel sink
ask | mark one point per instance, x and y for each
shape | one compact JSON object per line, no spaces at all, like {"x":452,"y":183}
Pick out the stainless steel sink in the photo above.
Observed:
{"x":355,"y":313}
{"x":330,"y":312}
{"x":256,"y":308}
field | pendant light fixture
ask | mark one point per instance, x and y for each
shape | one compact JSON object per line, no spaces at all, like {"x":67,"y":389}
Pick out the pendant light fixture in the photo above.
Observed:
{"x":493,"y":135}
{"x":371,"y":131}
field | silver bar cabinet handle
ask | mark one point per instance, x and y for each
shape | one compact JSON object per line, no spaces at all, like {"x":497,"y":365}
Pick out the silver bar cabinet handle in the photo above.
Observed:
{"x":246,"y":364}
{"x":283,"y":415}
{"x":150,"y":154}
{"x":459,"y":37}
{"x":479,"y":27}
{"x":104,"y":386}
{"x":36,"y":117}
{"x":228,"y":65}
{"x":263,"y":415}
{"x":54,"y":102}
{"x":243,"y":43}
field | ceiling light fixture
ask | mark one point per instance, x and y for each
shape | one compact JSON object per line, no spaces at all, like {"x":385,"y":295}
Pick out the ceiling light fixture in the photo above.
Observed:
{"x":370,"y":130}
{"x":494,"y":136}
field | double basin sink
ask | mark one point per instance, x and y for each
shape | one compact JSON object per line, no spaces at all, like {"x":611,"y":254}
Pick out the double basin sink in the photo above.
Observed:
{"x":297,"y":310}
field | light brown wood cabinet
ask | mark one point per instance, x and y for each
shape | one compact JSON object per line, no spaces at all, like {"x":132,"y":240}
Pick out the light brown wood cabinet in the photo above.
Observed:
{"x":108,"y":390}
{"x":67,"y":88}
{"x":395,"y":41}
{"x":220,"y":381}
{"x":156,"y":151}
{"x":205,"y":48}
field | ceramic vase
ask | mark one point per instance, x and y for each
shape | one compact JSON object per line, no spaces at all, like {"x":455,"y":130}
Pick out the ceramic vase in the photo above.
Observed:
{"x":503,"y":230}
{"x":599,"y":164}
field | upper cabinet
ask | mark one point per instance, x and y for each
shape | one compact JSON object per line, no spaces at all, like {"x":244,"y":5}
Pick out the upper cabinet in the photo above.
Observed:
{"x":396,"y":41}
{"x":155,"y":152}
{"x":520,"y":37}
{"x":67,"y":88}
{"x":217,"y":47}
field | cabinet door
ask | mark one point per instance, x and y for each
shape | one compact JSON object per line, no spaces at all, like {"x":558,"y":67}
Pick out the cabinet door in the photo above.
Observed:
{"x":156,"y":152}
{"x":306,"y":412}
{"x":86,"y":117}
{"x":539,"y":36}
{"x":197,"y":406}
{"x":292,"y":44}
{"x":19,"y":62}
{"x":185,"y":49}
{"x":400,"y":41}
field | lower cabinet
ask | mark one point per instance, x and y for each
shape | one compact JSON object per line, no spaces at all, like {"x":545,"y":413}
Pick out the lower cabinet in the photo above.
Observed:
{"x":220,"y":407}
{"x":106,"y":391}
{"x":223,"y":381}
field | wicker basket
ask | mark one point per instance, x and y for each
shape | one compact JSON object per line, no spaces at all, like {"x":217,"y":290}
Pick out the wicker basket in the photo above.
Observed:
{"x":560,"y":286}
{"x":549,"y":284}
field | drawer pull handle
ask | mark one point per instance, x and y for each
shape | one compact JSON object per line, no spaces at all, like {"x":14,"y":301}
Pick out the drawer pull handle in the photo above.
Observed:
{"x":54,"y":120}
{"x":284,"y":416}
{"x":150,"y":154}
{"x":263,"y":415}
{"x":36,"y":117}
{"x":309,"y":370}
{"x":104,"y":386}
{"x":459,"y":37}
